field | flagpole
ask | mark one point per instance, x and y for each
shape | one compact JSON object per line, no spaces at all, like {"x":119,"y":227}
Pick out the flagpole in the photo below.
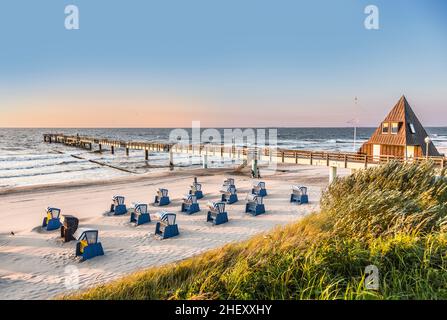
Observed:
{"x":355,"y":126}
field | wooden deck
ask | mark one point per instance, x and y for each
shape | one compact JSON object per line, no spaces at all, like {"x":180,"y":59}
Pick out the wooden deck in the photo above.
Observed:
{"x":315,"y":158}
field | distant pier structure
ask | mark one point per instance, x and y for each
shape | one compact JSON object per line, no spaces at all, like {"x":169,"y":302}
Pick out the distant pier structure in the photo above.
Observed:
{"x":249,"y":156}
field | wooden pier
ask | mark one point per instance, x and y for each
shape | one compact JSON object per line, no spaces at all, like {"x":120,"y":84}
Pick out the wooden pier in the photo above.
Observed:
{"x":333,"y":160}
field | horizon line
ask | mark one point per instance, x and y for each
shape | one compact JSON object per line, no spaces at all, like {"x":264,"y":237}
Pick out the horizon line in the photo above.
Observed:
{"x":219,"y":127}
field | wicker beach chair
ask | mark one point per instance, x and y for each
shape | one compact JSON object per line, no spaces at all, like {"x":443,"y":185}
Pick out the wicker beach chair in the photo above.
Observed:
{"x":162,"y":198}
{"x":216,"y":213}
{"x":259,"y":189}
{"x":88,"y":245}
{"x":118,"y":207}
{"x":190,"y":204}
{"x":51,"y":221}
{"x":254,"y":205}
{"x":166,"y":227}
{"x":299,"y":195}
{"x":139,"y":214}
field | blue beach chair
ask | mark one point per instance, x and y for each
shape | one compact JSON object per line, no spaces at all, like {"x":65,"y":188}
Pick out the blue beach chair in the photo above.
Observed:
{"x":299,"y":195}
{"x":52,"y":220}
{"x":196,"y":189}
{"x":259,"y":189}
{"x":118,"y":207}
{"x":88,"y":245}
{"x":216,"y":213}
{"x":166,"y":227}
{"x":229,"y":194}
{"x":229,"y":182}
{"x":139,"y":214}
{"x":162,"y":198}
{"x":190,"y":204}
{"x":254,"y":205}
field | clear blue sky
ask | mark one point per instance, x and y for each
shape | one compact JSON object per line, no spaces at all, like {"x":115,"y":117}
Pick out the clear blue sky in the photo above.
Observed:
{"x":240,"y":62}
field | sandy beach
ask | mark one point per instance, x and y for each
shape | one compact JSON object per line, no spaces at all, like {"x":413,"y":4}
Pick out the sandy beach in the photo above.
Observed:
{"x":36,"y":264}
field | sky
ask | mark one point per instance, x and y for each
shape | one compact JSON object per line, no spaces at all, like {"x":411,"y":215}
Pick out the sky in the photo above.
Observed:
{"x":225,"y":63}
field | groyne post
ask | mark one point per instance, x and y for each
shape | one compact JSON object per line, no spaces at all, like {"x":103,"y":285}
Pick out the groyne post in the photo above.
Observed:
{"x":254,"y":167}
{"x":205,"y":159}
{"x":171,"y":158}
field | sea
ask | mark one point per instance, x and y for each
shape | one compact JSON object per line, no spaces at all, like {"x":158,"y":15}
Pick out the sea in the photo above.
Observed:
{"x":26,"y":160}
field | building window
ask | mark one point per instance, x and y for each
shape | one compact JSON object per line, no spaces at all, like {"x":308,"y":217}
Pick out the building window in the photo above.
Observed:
{"x":412,"y":129}
{"x":394,"y":127}
{"x":385,"y":128}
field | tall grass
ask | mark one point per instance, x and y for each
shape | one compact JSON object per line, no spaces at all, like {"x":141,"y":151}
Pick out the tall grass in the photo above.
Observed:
{"x":392,"y":217}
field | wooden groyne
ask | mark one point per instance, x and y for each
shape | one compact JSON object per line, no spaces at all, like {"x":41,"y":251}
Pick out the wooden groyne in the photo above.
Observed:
{"x":334,"y":160}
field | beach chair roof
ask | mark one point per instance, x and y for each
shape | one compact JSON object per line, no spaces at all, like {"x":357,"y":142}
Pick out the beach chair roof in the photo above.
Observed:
{"x":254,"y":198}
{"x":163,"y":191}
{"x":119,"y":199}
{"x":219,"y":206}
{"x":301,"y":189}
{"x":55,"y":212}
{"x":190,"y":197}
{"x":167,"y":217}
{"x":196,"y":186}
{"x":69,"y":218}
{"x":141,"y":207}
{"x":91,"y":235}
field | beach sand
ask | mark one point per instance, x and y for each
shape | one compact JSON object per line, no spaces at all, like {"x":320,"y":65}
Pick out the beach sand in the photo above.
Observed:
{"x":36,"y":264}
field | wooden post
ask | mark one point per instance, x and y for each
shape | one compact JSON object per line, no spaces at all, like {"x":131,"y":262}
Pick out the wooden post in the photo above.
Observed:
{"x":146,"y":154}
{"x":366,"y":161}
{"x":311,"y":158}
{"x":332,"y":174}
{"x":296,"y":157}
{"x":112,"y":149}
{"x":127,"y":151}
{"x":100,"y":147}
{"x":327,"y":159}
{"x":346,"y":160}
{"x":282,"y":156}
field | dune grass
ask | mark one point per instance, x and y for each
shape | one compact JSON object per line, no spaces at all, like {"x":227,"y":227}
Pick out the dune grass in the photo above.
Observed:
{"x":393,"y":217}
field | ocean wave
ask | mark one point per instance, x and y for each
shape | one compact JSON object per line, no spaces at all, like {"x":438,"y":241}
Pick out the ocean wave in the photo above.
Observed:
{"x":30,"y":158}
{"x":47,"y":173}
{"x":37,"y":166}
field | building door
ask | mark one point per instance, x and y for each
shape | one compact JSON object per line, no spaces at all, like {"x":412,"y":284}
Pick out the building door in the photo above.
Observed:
{"x":376,"y":152}
{"x":410,"y":152}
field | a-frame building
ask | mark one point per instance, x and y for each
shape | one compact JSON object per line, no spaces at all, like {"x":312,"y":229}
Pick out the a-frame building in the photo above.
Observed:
{"x":400,"y":135}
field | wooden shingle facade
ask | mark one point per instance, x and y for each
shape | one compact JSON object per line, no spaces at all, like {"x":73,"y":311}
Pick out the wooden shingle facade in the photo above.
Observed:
{"x":400,"y":135}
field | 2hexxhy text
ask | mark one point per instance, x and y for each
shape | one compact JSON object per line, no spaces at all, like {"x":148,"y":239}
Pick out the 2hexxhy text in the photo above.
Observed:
{"x":224,"y":309}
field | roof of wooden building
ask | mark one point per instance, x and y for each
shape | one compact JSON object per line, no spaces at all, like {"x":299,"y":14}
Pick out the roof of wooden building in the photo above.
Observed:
{"x":404,"y":115}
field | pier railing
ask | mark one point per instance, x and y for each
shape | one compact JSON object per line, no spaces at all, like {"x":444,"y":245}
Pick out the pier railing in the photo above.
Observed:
{"x":318,"y":158}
